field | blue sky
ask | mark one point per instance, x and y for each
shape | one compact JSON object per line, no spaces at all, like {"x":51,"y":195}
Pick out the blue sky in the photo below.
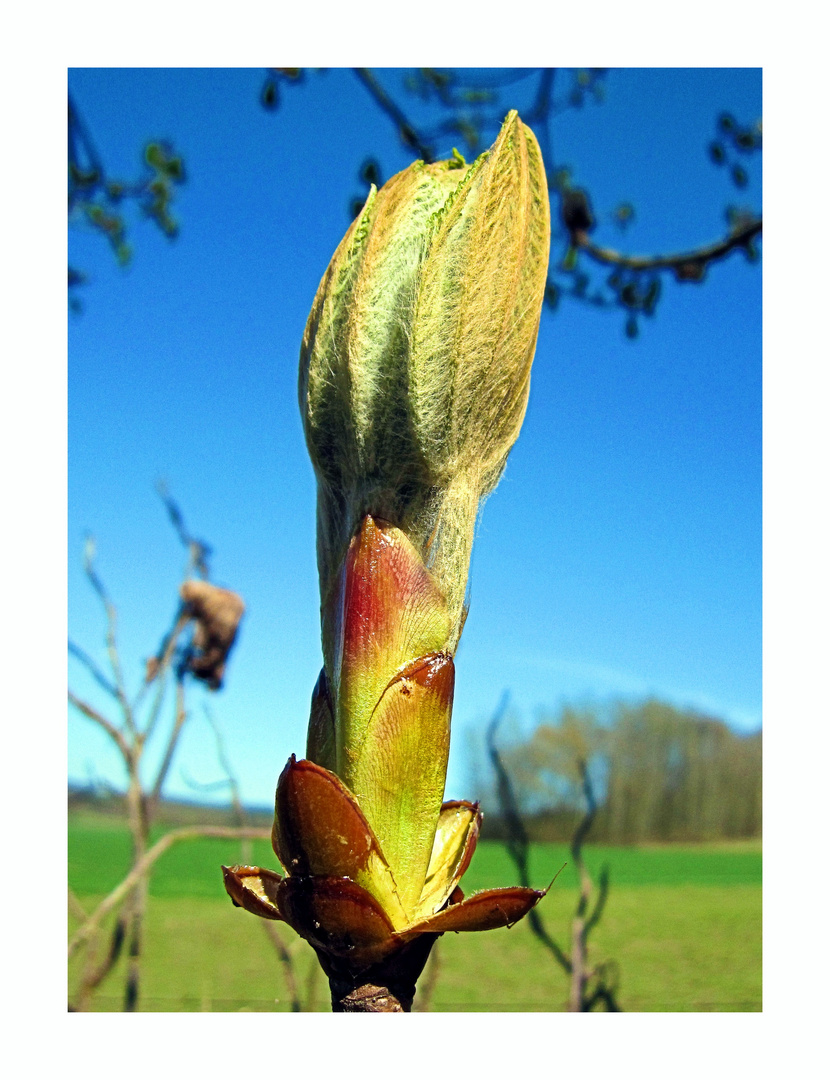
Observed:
{"x":621,"y":554}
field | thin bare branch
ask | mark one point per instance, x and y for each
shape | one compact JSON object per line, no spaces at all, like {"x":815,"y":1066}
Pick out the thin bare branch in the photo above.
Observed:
{"x":236,"y":799}
{"x":189,"y":832}
{"x":198,"y":550}
{"x":579,"y":945}
{"x":134,"y":953}
{"x":181,"y":717}
{"x":287,"y":961}
{"x":95,"y":972}
{"x":681,"y":262}
{"x":110,"y":728}
{"x":206,"y":786}
{"x":606,"y":995}
{"x":93,"y":669}
{"x":81,"y":140}
{"x":407,"y":131}
{"x":582,"y":831}
{"x":580,"y":999}
{"x":599,"y":906}
{"x":161,"y":672}
{"x":110,"y":637}
{"x":575,"y":965}
{"x":158,"y":665}
{"x":76,"y":907}
{"x":132,"y":892}
{"x":518,"y":843}
{"x":312,"y":984}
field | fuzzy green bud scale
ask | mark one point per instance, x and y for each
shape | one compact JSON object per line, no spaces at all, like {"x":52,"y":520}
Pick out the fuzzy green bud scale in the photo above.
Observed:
{"x":415,"y":364}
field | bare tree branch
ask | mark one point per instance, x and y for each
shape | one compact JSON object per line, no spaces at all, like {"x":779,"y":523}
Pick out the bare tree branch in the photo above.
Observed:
{"x":688,"y":265}
{"x":287,"y":961}
{"x":137,"y":907}
{"x":580,"y":999}
{"x":189,"y":832}
{"x":198,"y":550}
{"x":112,"y":618}
{"x":94,"y":971}
{"x":462,"y":97}
{"x":178,"y":724}
{"x":141,"y":805}
{"x":599,"y":906}
{"x":311,"y":986}
{"x":585,"y":824}
{"x":158,"y":667}
{"x":407,"y":131}
{"x":81,"y":148}
{"x":93,"y":669}
{"x":110,"y":728}
{"x":167,"y":646}
{"x":236,"y":800}
{"x":518,"y":843}
{"x":575,"y":965}
{"x":76,"y":907}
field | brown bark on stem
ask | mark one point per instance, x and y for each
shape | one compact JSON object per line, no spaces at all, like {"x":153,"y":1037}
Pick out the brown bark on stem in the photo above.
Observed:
{"x":385,"y":987}
{"x":369,"y":998}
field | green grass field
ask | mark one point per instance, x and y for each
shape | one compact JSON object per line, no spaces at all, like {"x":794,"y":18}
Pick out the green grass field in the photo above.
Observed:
{"x":682,"y":924}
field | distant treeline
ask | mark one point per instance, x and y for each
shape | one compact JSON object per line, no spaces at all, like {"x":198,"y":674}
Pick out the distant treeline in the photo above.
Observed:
{"x":658,"y":774}
{"x":104,"y":801}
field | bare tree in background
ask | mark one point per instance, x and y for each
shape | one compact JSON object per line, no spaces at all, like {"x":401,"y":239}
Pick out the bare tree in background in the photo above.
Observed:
{"x":196,"y":646}
{"x":665,"y":774}
{"x":300,"y":1001}
{"x":590,"y":987}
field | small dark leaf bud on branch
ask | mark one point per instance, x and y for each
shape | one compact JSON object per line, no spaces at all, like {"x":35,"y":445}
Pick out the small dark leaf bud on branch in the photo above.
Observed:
{"x":577,"y":215}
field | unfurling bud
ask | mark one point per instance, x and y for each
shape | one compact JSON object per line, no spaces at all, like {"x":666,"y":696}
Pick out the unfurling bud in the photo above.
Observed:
{"x":414,"y":377}
{"x":415,"y":364}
